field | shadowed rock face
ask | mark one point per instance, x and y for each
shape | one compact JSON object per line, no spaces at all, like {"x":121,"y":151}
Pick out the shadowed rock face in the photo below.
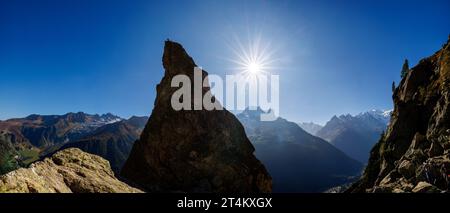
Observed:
{"x":70,"y":170}
{"x":413,"y":155}
{"x":192,"y":151}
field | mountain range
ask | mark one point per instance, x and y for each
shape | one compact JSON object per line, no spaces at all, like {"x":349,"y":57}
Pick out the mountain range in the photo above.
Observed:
{"x":297,"y":160}
{"x":216,"y":151}
{"x":355,"y":135}
{"x":25,"y":140}
{"x":112,"y":141}
{"x":43,"y":131}
{"x":113,"y":137}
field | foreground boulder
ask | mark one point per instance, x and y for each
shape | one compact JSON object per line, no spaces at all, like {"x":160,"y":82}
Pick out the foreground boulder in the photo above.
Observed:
{"x":69,"y":170}
{"x":192,"y":150}
{"x":414,"y":154}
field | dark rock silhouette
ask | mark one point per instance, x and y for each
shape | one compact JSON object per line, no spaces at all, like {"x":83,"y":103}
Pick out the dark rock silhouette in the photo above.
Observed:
{"x":196,"y":150}
{"x":413,"y":155}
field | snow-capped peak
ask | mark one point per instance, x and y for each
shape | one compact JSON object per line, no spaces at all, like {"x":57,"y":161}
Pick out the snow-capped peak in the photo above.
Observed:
{"x":382,"y":115}
{"x":387,"y":113}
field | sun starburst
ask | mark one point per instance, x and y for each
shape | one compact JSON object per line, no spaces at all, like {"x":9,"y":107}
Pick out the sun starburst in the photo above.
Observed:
{"x":253,"y":58}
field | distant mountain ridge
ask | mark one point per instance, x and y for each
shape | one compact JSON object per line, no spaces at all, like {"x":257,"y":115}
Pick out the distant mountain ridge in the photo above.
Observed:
{"x":310,"y":127}
{"x":47,"y":130}
{"x":25,"y":140}
{"x":381,"y":115}
{"x":355,"y":135}
{"x":296,"y":160}
{"x":112,"y":141}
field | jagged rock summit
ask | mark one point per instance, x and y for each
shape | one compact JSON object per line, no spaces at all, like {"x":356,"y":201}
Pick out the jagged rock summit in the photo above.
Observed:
{"x":70,"y":170}
{"x":192,"y":150}
{"x":414,"y":154}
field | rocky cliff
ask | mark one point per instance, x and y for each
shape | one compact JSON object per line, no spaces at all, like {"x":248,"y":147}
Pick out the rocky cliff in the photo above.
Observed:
{"x":413,"y":155}
{"x":70,"y":170}
{"x":196,"y":150}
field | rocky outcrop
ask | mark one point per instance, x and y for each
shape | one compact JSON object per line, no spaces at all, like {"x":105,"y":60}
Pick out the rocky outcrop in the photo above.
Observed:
{"x":192,"y":150}
{"x":413,"y":155}
{"x":70,"y":170}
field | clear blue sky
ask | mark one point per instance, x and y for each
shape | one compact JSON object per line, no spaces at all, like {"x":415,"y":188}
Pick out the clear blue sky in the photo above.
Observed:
{"x":105,"y":56}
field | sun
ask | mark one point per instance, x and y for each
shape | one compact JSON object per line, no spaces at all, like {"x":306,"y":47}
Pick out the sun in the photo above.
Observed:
{"x":253,"y":68}
{"x":252,"y":58}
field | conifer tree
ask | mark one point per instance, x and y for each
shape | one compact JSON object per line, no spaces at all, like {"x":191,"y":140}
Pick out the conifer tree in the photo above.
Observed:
{"x":405,"y":68}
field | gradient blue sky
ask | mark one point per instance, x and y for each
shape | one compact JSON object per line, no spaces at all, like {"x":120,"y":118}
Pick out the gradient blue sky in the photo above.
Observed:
{"x":105,"y":56}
